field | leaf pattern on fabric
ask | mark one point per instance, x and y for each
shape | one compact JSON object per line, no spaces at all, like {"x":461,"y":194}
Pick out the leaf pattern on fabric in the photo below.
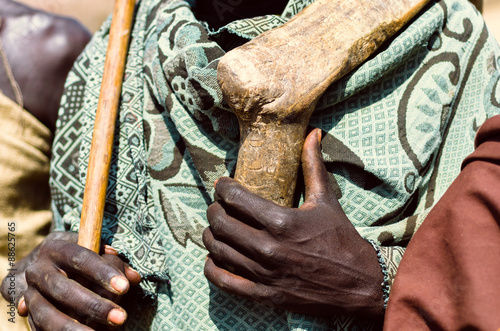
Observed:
{"x":441,"y":82}
{"x":429,"y":111}
{"x":425,"y":127}
{"x":432,"y":95}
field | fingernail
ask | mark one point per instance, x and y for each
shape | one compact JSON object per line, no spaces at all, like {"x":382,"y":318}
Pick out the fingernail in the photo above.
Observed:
{"x":21,"y":305}
{"x":117,"y":316}
{"x":110,"y":250}
{"x":319,"y":133}
{"x":119,"y":283}
{"x":63,"y":273}
{"x":215,"y":183}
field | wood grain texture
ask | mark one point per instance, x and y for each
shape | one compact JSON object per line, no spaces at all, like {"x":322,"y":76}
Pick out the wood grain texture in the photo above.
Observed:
{"x":273,"y":82}
{"x":102,"y":140}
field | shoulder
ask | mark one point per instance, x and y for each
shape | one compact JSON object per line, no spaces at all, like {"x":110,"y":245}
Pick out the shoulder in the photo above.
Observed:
{"x":64,"y":37}
{"x":27,"y":31}
{"x":51,"y":37}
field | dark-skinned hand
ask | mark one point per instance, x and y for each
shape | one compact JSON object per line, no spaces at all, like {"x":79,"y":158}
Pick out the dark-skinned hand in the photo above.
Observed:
{"x":63,"y":286}
{"x":308,"y":260}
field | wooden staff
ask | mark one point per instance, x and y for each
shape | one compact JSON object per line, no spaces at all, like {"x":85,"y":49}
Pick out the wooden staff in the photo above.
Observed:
{"x":102,"y":140}
{"x":273,"y":82}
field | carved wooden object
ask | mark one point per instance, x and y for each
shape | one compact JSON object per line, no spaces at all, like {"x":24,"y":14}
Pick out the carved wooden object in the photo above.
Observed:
{"x":273,"y":82}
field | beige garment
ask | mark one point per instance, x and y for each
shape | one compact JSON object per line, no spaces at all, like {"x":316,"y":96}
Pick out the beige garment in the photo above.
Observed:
{"x":25,"y":146}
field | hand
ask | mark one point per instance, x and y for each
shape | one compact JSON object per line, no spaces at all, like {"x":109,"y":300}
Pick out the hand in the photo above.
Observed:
{"x":68,"y":287}
{"x":309,"y":260}
{"x":18,"y":276}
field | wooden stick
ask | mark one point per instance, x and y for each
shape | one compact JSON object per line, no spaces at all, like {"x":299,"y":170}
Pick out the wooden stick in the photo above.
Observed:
{"x":102,"y":140}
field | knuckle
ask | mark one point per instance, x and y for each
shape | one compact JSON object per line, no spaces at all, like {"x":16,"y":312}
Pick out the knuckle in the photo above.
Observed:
{"x":4,"y":288}
{"x":36,"y":310}
{"x":215,"y":215}
{"x":217,"y":224}
{"x":269,"y":252}
{"x":224,"y":284}
{"x":53,"y":249}
{"x":31,"y":274}
{"x":218,"y":250}
{"x":220,"y":280}
{"x":105,"y":294}
{"x":233,"y":193}
{"x":282,"y":222}
{"x":280,"y":225}
{"x":58,"y":235}
{"x":95,"y":308}
{"x":58,"y":250}
{"x":212,"y":210}
{"x":59,"y":290}
{"x":80,"y":259}
{"x":68,"y":326}
{"x":206,"y":271}
{"x":206,"y":237}
{"x":209,"y":274}
{"x":114,"y":261}
{"x":49,"y":246}
{"x":266,"y":293}
{"x":28,"y":294}
{"x":36,"y":313}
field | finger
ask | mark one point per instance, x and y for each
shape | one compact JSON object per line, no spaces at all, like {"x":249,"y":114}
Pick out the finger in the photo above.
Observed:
{"x":233,"y":232}
{"x":32,"y":325}
{"x":73,"y":297}
{"x":22,"y":309}
{"x":317,"y":185}
{"x":249,"y":207}
{"x":110,"y":250}
{"x":231,"y":283}
{"x":46,"y":317}
{"x":132,"y":275}
{"x":66,"y":236}
{"x":78,"y":260}
{"x":110,"y":259}
{"x":233,"y":261}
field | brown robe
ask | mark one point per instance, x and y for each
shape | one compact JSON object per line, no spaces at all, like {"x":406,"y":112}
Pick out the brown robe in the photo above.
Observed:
{"x":449,"y":277}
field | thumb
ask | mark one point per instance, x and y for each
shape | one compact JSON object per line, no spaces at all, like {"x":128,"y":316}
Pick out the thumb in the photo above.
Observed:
{"x":317,"y":185}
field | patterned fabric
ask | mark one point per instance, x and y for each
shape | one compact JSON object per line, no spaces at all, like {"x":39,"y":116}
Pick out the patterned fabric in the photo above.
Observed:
{"x":397,"y":129}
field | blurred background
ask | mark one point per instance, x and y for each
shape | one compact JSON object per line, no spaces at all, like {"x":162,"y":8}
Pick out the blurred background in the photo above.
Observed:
{"x":92,"y":12}
{"x":491,"y":13}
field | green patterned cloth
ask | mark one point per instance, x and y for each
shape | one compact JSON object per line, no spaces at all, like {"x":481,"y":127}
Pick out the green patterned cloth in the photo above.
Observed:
{"x":397,"y":129}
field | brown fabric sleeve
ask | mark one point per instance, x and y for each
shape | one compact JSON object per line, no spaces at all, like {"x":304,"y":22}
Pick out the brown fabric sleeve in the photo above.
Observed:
{"x":449,"y":276}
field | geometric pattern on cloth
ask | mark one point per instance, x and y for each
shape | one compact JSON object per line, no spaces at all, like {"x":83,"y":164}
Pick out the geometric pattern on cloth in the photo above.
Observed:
{"x":396,"y":130}
{"x":392,"y":257}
